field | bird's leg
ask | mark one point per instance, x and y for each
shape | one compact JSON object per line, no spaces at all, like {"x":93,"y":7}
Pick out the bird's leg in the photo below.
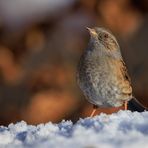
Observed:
{"x":94,"y":110}
{"x":125,"y":105}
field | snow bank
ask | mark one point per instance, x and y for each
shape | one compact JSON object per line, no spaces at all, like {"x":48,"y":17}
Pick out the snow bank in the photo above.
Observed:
{"x":119,"y":130}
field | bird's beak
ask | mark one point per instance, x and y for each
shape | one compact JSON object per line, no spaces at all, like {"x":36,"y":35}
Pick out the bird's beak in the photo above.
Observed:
{"x":91,"y":31}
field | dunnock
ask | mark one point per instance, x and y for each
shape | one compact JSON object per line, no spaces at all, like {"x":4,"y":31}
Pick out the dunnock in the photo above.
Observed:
{"x":102,"y":74}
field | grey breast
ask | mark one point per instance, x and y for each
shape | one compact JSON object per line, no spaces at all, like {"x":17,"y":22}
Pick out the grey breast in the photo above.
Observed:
{"x":91,"y":78}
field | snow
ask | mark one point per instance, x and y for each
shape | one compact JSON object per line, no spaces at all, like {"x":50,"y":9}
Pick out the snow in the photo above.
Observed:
{"x":118,"y":130}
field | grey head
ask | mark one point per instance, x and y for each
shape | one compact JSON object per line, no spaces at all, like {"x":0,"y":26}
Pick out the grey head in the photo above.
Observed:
{"x":103,"y":40}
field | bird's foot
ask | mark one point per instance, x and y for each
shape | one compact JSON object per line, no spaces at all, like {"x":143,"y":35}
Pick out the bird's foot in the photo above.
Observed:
{"x":94,"y":110}
{"x":125,"y":105}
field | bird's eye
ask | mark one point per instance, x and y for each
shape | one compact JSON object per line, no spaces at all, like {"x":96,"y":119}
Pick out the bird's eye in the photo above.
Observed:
{"x":105,"y":35}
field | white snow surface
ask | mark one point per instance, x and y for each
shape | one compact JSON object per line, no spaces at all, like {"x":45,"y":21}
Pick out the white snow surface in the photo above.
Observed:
{"x":118,"y":130}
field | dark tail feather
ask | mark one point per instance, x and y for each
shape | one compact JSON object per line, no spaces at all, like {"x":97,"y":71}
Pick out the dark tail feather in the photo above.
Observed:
{"x":135,"y":105}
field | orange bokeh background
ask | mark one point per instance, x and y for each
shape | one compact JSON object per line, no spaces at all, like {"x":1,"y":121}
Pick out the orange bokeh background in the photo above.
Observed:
{"x":40,"y":46}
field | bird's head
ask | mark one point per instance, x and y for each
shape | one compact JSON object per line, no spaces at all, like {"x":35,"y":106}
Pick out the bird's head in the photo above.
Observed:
{"x":103,"y":37}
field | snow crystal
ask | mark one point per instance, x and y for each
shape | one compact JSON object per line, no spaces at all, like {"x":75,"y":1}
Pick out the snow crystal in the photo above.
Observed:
{"x":118,"y":130}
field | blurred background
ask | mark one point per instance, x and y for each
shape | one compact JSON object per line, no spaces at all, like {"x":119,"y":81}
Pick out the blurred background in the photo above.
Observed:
{"x":40,"y":45}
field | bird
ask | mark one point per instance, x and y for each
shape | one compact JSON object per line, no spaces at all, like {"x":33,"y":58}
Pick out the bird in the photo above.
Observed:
{"x":102,"y":74}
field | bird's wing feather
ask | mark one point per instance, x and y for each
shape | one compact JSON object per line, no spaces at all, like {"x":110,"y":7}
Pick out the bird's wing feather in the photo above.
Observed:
{"x":124,"y":72}
{"x":125,"y":79}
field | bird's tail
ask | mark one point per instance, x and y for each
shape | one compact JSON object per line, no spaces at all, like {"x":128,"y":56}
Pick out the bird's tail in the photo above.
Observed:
{"x":135,"y":105}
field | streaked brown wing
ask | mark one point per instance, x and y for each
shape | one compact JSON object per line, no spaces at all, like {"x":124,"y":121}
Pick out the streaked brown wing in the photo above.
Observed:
{"x":125,"y":72}
{"x":126,"y":81}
